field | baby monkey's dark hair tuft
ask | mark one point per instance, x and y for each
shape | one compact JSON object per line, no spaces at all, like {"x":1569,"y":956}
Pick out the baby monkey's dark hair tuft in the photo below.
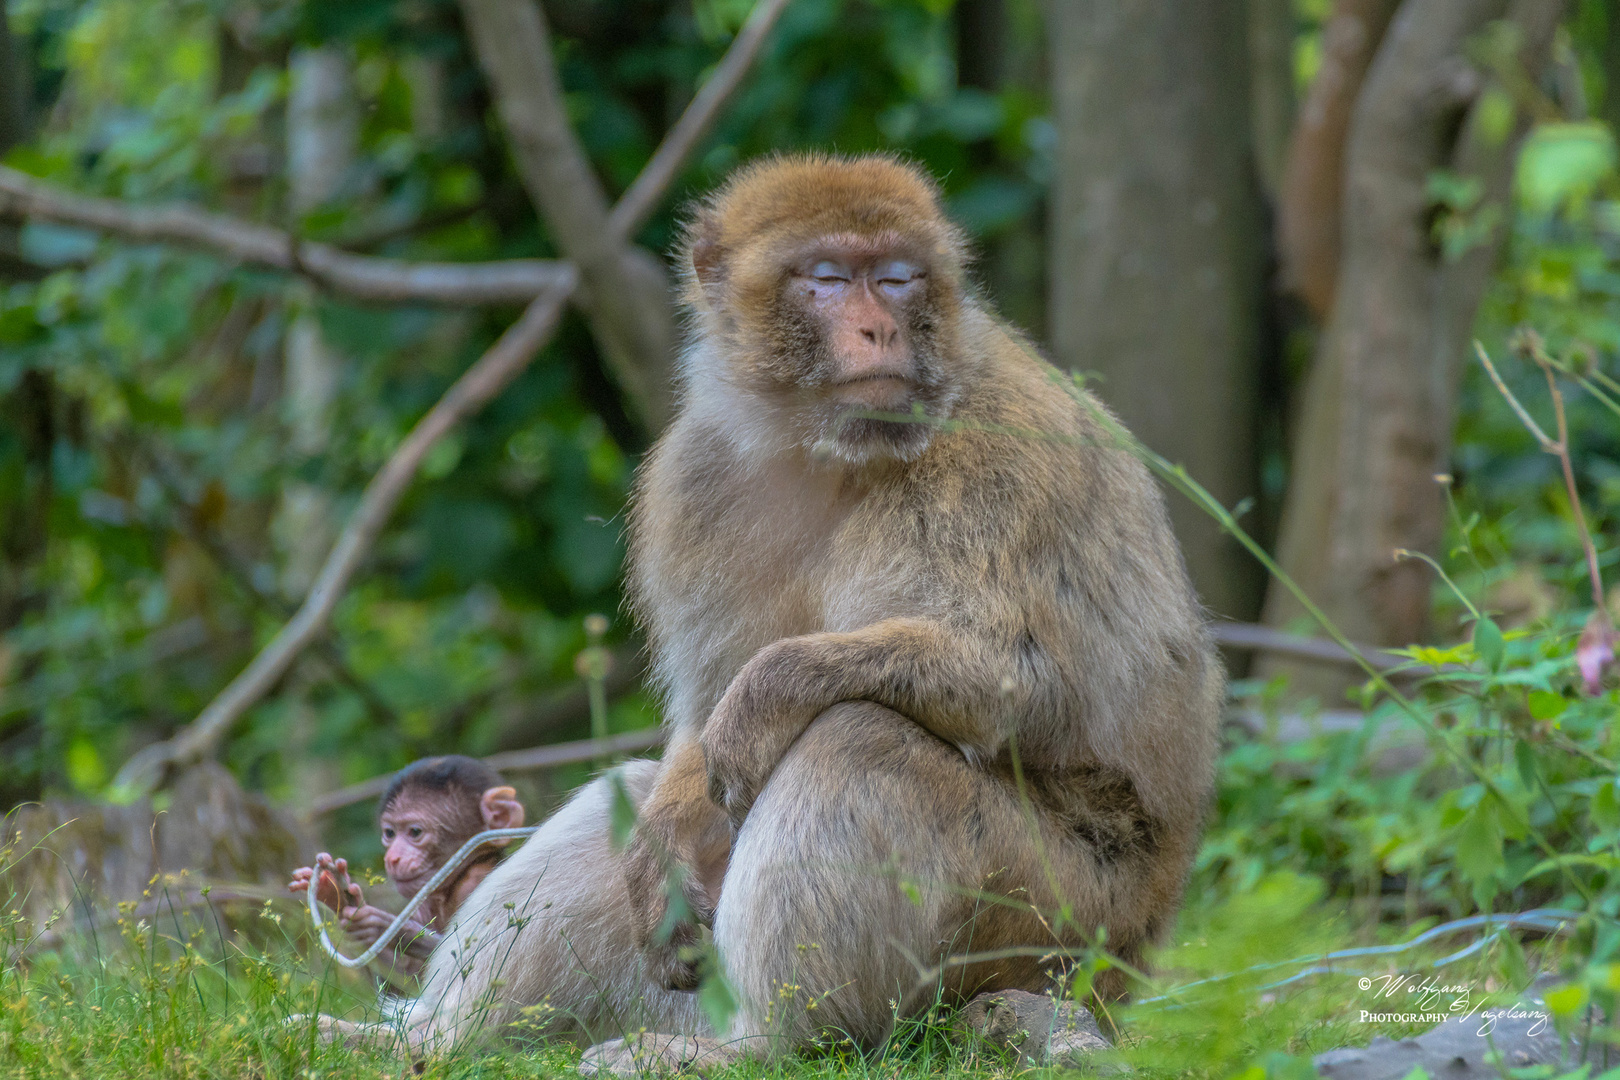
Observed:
{"x":451,"y":773}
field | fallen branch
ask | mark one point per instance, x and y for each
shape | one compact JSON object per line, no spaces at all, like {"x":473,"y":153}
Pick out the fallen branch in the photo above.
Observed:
{"x":1265,"y":639}
{"x":642,"y":197}
{"x":538,"y":757}
{"x":362,"y":277}
{"x":481,"y":382}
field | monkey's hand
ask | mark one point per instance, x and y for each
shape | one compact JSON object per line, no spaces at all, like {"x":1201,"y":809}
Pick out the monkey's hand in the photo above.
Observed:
{"x":750,"y":729}
{"x":335,"y":890}
{"x":366,"y":924}
{"x":668,"y":945}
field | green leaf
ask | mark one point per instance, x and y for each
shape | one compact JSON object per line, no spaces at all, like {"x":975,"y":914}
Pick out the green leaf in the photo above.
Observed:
{"x":1515,"y":968}
{"x":1562,"y":163}
{"x":1525,"y":758}
{"x":1605,"y":808}
{"x":84,"y":765}
{"x":621,"y":812}
{"x":1488,"y":642}
{"x":717,"y":1000}
{"x":1566,"y":1000}
{"x":1544,"y":705}
{"x":1479,"y":843}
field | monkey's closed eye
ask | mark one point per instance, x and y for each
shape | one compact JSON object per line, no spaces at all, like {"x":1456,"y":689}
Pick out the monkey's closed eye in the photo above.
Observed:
{"x":829,"y":271}
{"x":896,"y":273}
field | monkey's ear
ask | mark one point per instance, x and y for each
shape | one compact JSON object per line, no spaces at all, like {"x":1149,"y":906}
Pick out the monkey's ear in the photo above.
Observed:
{"x":708,"y":258}
{"x":501,"y":808}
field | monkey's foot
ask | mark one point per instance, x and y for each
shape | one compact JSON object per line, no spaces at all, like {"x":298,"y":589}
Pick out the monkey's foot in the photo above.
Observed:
{"x":329,"y":1029}
{"x":647,"y":1055}
{"x":1038,"y":1029}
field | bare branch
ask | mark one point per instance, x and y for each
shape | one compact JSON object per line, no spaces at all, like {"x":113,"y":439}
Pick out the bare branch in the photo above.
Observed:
{"x":642,"y":198}
{"x":362,"y":277}
{"x":530,"y":723}
{"x":625,"y":291}
{"x":477,"y":385}
{"x":538,"y":757}
{"x":1235,"y":635}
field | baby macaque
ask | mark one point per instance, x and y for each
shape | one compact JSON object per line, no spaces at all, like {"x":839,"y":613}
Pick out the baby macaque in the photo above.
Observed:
{"x":429,"y":810}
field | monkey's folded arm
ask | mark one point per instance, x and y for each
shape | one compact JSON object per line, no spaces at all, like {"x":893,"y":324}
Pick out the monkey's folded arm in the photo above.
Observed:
{"x":954,"y":682}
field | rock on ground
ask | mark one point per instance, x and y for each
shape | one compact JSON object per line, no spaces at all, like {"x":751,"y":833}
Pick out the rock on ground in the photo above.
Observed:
{"x":1037,"y":1028}
{"x":657,"y":1055}
{"x":1457,"y":1050}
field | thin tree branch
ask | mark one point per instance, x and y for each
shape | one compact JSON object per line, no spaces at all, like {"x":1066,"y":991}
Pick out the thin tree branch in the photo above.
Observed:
{"x":362,"y":277}
{"x":538,"y":757}
{"x":643,"y":196}
{"x":624,"y":291}
{"x":1236,"y":635}
{"x":477,"y":385}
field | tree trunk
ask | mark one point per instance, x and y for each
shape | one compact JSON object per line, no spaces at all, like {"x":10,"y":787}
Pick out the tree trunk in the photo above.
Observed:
{"x":626,"y":292}
{"x":1379,"y":400}
{"x":14,"y":88}
{"x":1310,"y":202}
{"x":323,"y":146}
{"x":323,"y":141}
{"x":1271,"y":86}
{"x":1157,"y":268}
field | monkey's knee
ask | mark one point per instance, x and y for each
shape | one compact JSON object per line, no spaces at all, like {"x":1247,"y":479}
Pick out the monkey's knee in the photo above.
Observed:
{"x":838,"y":876}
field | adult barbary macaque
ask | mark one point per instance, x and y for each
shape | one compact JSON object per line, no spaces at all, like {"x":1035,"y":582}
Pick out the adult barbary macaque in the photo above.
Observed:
{"x":932,"y":668}
{"x":429,"y":809}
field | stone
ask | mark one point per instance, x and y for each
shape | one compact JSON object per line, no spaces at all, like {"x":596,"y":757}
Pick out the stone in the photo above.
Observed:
{"x":1036,"y":1028}
{"x":1457,"y":1049}
{"x":648,"y":1054}
{"x":1075,"y":1036}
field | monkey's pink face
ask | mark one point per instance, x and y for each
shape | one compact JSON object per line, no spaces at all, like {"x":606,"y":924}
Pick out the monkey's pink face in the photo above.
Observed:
{"x":862,"y":299}
{"x":860,"y":340}
{"x":412,"y":842}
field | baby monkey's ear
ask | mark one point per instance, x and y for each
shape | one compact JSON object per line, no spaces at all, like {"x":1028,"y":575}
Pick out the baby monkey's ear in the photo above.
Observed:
{"x":501,"y":808}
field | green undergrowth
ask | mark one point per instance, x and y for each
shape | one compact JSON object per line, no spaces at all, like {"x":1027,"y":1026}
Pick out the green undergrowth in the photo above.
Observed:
{"x":1480,"y":784}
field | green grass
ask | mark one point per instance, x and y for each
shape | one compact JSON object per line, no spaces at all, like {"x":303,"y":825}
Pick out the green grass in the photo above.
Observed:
{"x":188,"y":996}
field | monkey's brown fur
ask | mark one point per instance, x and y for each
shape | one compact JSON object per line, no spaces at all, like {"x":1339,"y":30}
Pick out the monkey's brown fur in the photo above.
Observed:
{"x":867,"y":631}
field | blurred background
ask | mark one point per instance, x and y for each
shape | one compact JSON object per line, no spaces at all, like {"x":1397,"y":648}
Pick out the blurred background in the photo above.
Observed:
{"x":1267,"y":231}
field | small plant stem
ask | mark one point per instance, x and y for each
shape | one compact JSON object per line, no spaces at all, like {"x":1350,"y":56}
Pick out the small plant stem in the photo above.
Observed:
{"x":1558,"y":447}
{"x":1524,"y":417}
{"x":1569,"y":483}
{"x":1403,"y":553}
